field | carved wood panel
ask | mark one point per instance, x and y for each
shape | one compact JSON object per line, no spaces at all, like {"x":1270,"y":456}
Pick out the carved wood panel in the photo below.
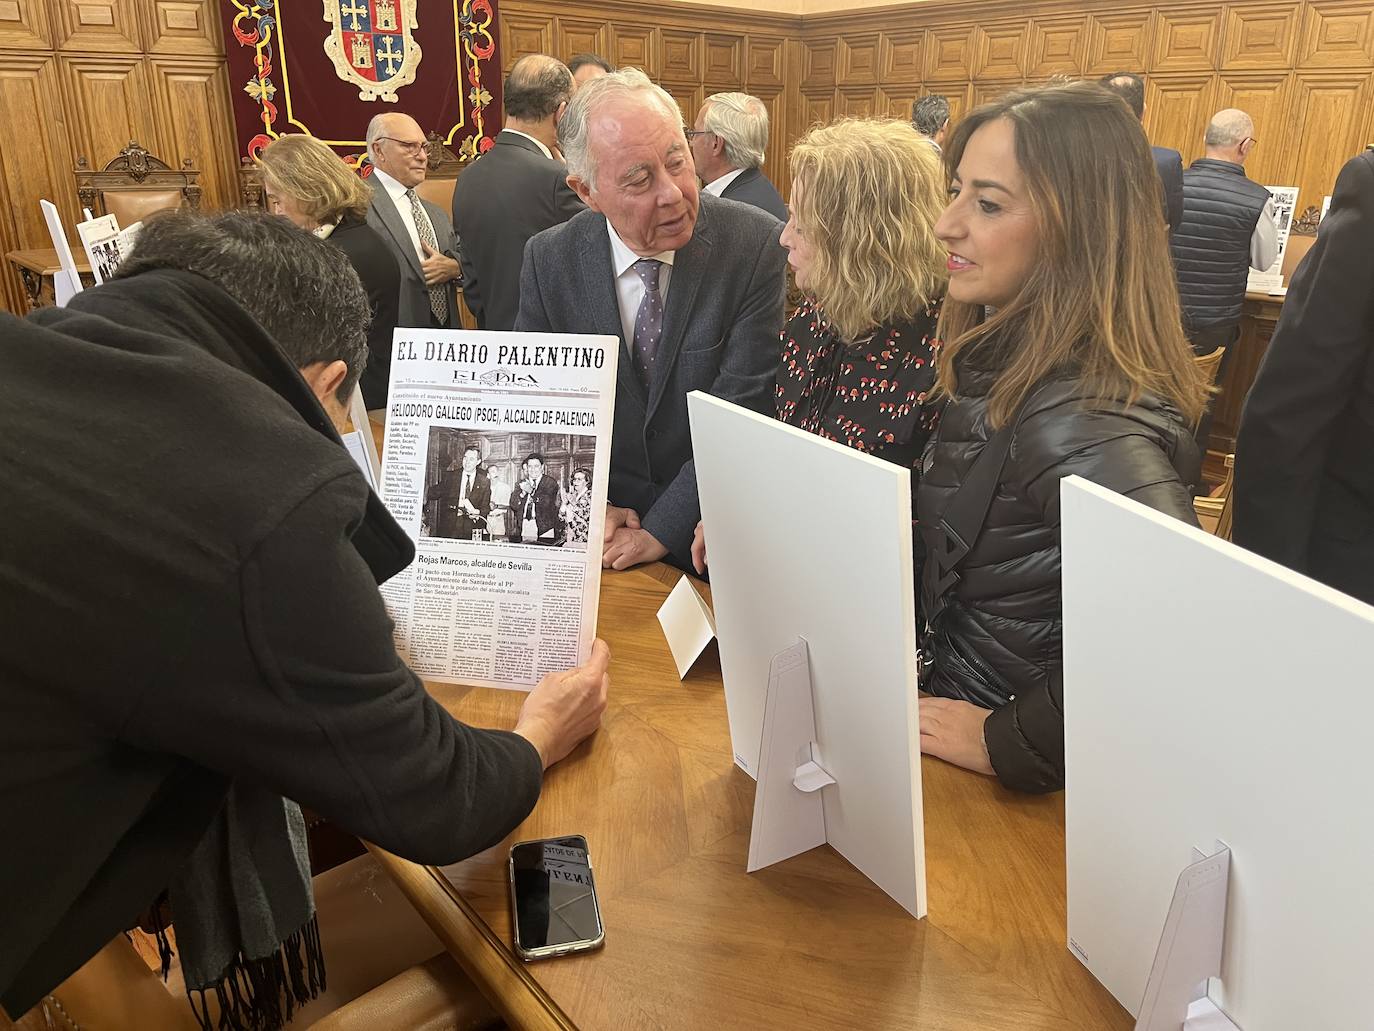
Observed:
{"x":857,"y":101}
{"x":818,"y":68}
{"x":895,"y":101}
{"x":523,"y":34}
{"x":107,"y":105}
{"x":950,"y":52}
{"x":1267,"y":98}
{"x":580,"y":36}
{"x":183,"y":27}
{"x":856,"y":60}
{"x":775,"y":155}
{"x":635,"y":46}
{"x":1262,"y":36}
{"x":1000,"y":52}
{"x":1178,"y":108}
{"x":681,"y":56}
{"x":1186,"y":41}
{"x":103,"y":26}
{"x":688,"y":99}
{"x":819,"y":108}
{"x":1337,"y":34}
{"x":1330,"y":108}
{"x":1054,"y":46}
{"x":194,"y":120}
{"x":24,"y":23}
{"x":765,"y":61}
{"x":723,"y":60}
{"x":1119,"y":42}
{"x":900,"y":57}
{"x":986,"y":93}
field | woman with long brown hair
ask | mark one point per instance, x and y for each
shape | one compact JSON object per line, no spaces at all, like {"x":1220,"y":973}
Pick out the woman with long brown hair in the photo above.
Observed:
{"x":1063,"y":355}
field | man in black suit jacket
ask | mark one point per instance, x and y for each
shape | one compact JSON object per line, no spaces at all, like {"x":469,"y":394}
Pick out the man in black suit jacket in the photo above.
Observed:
{"x":539,"y":500}
{"x":517,"y":189}
{"x":692,"y":285}
{"x":728,"y":141}
{"x":1304,"y":490}
{"x":1168,"y":163}
{"x":462,"y":498}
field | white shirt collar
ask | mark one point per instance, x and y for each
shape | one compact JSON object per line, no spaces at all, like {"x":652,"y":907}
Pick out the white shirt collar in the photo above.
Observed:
{"x":716,"y":187}
{"x":538,"y":143}
{"x":394,"y":189}
{"x":622,"y":257}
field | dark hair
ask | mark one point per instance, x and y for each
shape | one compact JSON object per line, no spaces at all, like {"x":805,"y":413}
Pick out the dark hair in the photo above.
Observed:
{"x":1129,"y":87}
{"x":472,"y":447}
{"x":535,"y":87}
{"x":930,"y":113}
{"x":535,"y":456}
{"x":301,"y":289}
{"x":582,"y":60}
{"x":586,"y":473}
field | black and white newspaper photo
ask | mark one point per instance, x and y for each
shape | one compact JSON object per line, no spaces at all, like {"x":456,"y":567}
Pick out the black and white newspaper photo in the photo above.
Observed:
{"x":495,"y":462}
{"x":106,"y":244}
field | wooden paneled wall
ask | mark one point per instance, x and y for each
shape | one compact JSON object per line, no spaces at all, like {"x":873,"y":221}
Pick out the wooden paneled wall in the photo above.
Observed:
{"x":81,"y":78}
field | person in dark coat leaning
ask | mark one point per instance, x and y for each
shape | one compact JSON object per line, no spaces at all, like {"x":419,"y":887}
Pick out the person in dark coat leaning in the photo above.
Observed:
{"x":691,"y":284}
{"x":514,"y":190}
{"x":1304,"y":489}
{"x":728,"y":144}
{"x":189,"y":561}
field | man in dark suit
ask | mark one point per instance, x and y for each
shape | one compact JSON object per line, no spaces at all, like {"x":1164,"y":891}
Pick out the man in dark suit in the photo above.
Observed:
{"x":1168,"y":163}
{"x":538,"y":503}
{"x":692,"y":285}
{"x":515,"y":190}
{"x":728,"y":141}
{"x":462,"y":498}
{"x":418,"y":232}
{"x":1304,"y":490}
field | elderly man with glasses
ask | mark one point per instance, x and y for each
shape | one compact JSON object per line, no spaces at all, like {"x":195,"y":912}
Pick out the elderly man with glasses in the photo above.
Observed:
{"x":419,"y":233}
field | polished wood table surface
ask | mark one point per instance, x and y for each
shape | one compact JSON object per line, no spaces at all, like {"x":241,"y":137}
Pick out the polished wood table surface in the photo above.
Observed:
{"x":692,"y":941}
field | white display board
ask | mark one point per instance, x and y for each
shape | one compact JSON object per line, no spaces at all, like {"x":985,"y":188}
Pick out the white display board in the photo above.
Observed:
{"x":810,"y":539}
{"x":1210,"y":694}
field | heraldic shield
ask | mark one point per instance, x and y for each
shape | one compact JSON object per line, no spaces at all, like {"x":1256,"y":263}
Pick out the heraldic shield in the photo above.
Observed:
{"x":372,"y":45}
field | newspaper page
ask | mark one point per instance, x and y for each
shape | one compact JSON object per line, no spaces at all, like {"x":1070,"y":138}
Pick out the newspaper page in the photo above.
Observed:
{"x":106,"y":244}
{"x":497,"y":450}
{"x":1271,"y":279}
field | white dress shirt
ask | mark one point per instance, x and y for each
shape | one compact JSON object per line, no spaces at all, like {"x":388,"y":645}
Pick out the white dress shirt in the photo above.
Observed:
{"x":629,"y":288}
{"x":397,"y":193}
{"x":1264,"y":241}
{"x":716,"y":187}
{"x":538,"y":143}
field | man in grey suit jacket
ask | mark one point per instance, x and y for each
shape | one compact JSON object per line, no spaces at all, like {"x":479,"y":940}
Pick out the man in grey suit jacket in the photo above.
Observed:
{"x":419,"y":233}
{"x":728,"y":142}
{"x":514,"y":190}
{"x":692,"y":285}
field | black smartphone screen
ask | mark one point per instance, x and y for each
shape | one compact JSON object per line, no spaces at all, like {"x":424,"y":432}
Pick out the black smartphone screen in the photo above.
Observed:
{"x":555,"y":901}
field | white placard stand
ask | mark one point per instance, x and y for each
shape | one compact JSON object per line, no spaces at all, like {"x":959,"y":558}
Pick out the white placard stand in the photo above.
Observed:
{"x":66,"y":281}
{"x":687,"y":623}
{"x":359,"y":440}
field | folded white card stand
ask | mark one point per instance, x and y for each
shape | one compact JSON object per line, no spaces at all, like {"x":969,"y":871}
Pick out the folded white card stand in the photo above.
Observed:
{"x":687,"y":623}
{"x":1189,"y":953}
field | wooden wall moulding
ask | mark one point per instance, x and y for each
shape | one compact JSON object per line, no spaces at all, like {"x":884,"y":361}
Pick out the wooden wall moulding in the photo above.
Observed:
{"x":24,"y":24}
{"x":1119,"y":42}
{"x":1267,"y":97}
{"x":523,"y":34}
{"x":1178,"y":108}
{"x":1332,"y":108}
{"x":579,"y":36}
{"x":900,"y":57}
{"x":820,"y":108}
{"x":856,"y":60}
{"x":635,"y":46}
{"x":1337,"y":34}
{"x":819,"y":69}
{"x":1000,"y":51}
{"x":183,"y":27}
{"x":194,"y":120}
{"x":723,"y":60}
{"x":1186,"y":41}
{"x":688,"y":99}
{"x":950,"y":52}
{"x":681,"y":56}
{"x":895,"y":101}
{"x":1054,"y":46}
{"x":766,"y":62}
{"x":108,"y":103}
{"x":1259,"y":37}
{"x":102,"y":26}
{"x":986,"y":92}
{"x":858,"y":102}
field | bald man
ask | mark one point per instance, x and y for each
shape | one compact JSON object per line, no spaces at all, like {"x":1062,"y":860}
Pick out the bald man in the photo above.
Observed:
{"x":419,"y":233}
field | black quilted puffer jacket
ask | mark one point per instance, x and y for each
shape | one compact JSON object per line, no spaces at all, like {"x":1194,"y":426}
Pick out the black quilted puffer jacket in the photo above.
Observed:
{"x":1001,"y":624}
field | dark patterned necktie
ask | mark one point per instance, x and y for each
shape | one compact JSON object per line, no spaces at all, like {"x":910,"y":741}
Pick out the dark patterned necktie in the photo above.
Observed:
{"x":649,"y":321}
{"x":438,"y":295}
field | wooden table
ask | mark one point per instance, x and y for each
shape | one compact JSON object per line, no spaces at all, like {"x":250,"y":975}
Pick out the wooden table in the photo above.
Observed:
{"x":692,"y":941}
{"x":37,"y":267}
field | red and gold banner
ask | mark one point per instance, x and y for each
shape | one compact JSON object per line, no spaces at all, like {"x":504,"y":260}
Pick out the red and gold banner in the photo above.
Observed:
{"x":325,"y":67}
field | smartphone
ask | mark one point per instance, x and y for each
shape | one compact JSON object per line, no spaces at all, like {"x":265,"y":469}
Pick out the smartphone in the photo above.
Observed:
{"x":553,"y":898}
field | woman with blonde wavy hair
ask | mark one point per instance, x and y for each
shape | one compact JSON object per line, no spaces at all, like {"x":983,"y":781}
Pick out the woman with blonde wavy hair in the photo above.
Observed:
{"x":307,"y":183}
{"x":1080,"y":369}
{"x":858,"y":355}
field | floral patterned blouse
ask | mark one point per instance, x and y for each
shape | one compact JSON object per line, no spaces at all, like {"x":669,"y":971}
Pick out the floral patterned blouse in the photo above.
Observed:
{"x":870,"y":395}
{"x":579,"y":509}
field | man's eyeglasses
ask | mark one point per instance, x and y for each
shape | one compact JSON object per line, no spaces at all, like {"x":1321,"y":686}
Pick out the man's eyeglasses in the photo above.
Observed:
{"x":1250,"y":139}
{"x":692,"y":134}
{"x":423,"y":147}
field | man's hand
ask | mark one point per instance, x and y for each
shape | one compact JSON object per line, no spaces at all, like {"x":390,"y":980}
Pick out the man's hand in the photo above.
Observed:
{"x":616,"y":518}
{"x":566,"y":707}
{"x":953,"y":731}
{"x":630,"y":548}
{"x":438,"y":268}
{"x":699,"y":548}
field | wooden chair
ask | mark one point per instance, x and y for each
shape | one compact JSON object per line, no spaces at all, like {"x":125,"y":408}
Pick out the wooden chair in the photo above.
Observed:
{"x":441,"y":175}
{"x":1210,"y":363}
{"x":1214,"y":512}
{"x":250,"y":184}
{"x":135,"y":185}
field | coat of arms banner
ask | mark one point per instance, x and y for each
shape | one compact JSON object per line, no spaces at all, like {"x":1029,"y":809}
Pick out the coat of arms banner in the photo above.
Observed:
{"x":325,"y":67}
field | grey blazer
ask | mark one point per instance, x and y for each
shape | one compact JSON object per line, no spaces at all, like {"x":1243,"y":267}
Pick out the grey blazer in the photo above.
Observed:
{"x":382,"y":216}
{"x":721,"y":324}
